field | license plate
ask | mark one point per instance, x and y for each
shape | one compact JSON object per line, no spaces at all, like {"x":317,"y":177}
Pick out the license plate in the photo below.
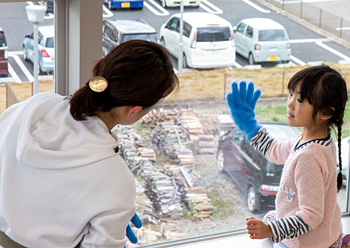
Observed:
{"x":272,"y":58}
{"x":125,"y":5}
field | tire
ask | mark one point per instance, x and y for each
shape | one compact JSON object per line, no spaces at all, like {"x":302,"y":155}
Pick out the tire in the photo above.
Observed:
{"x":25,"y":54}
{"x":184,"y":61}
{"x":220,"y":161}
{"x":253,"y":200}
{"x":251,"y":60}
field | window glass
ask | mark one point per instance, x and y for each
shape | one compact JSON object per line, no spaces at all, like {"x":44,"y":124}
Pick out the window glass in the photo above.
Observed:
{"x":272,"y":35}
{"x":241,"y":28}
{"x":187,"y":29}
{"x":249,"y":32}
{"x":16,"y":70}
{"x":3,"y":42}
{"x":174,"y":24}
{"x":148,"y":37}
{"x":209,"y":34}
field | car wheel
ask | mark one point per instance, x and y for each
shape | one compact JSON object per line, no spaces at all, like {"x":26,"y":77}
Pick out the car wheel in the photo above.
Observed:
{"x":164,"y":4}
{"x":184,"y":61}
{"x":25,"y":54}
{"x":251,"y":59}
{"x":253,"y":200}
{"x":220,"y":161}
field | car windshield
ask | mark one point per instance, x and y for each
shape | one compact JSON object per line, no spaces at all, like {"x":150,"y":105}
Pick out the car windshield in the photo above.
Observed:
{"x":209,"y":34}
{"x":2,"y":40}
{"x":148,"y":37}
{"x":50,"y":42}
{"x":272,"y":35}
{"x":281,"y":132}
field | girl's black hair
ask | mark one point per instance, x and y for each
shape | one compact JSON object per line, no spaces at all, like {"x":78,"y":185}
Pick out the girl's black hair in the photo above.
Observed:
{"x":325,"y":89}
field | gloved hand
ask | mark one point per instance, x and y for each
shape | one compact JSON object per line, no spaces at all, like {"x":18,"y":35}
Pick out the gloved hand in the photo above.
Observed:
{"x":241,"y":102}
{"x":137,"y":222}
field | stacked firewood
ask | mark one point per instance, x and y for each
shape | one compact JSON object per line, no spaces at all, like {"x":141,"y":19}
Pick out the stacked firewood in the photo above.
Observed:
{"x":163,"y":192}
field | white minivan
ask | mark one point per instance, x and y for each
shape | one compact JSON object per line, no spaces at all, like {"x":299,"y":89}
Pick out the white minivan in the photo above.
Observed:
{"x":207,"y":40}
{"x":262,"y":40}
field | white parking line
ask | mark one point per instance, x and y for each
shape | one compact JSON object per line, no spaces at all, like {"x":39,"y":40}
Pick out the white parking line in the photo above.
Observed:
{"x":297,"y":60}
{"x":14,"y":75}
{"x":237,"y":65}
{"x":209,"y":7}
{"x":307,"y":40}
{"x":163,"y":12}
{"x":256,"y":6}
{"x":332,"y":50}
{"x":107,"y":11}
{"x":15,"y":56}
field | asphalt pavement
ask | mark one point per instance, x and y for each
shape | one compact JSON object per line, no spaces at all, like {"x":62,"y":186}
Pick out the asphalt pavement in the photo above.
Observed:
{"x":333,"y":11}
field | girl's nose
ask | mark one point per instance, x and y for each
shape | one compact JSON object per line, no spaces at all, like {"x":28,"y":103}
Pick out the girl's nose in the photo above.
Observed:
{"x":290,"y":103}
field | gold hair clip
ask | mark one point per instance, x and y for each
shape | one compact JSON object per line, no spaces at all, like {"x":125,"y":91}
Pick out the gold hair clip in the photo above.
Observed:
{"x":98,"y":84}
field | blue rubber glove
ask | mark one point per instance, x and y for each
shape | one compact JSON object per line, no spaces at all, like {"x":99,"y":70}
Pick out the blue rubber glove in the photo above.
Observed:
{"x":137,"y":222}
{"x":241,"y":102}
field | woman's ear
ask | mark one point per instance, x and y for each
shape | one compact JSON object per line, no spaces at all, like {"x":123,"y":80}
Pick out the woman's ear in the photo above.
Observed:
{"x":132,"y":110}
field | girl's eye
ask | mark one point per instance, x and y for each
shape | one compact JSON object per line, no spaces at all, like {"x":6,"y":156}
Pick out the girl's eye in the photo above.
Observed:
{"x":299,"y":100}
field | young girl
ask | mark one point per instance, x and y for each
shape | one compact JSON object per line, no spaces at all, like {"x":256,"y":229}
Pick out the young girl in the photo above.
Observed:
{"x":307,"y":212}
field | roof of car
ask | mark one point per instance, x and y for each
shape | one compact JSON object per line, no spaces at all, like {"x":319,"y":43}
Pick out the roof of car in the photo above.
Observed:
{"x":263,"y":23}
{"x":47,"y":30}
{"x":131,"y":26}
{"x":203,"y":19}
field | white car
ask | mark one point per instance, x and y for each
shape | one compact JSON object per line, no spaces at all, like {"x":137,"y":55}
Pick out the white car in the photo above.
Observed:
{"x":177,"y":3}
{"x":207,"y":40}
{"x":262,"y":40}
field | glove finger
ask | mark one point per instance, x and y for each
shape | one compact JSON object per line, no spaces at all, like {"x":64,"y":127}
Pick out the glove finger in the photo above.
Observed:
{"x":231,"y":97}
{"x":250,"y":92}
{"x":243,"y":91}
{"x":131,"y":235}
{"x":136,"y":221}
{"x":255,"y":98}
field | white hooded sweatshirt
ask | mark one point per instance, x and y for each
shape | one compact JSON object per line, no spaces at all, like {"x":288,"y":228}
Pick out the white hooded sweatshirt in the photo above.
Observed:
{"x":60,"y":179}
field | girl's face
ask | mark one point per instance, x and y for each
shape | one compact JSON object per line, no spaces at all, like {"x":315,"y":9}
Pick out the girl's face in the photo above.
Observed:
{"x":299,"y":113}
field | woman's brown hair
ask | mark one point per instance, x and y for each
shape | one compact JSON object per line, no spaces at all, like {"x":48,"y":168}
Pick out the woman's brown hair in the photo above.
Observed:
{"x":139,"y":73}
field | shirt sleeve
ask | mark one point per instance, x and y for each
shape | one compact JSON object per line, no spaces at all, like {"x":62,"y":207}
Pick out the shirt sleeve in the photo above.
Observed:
{"x":261,"y":141}
{"x":108,"y":230}
{"x":288,"y":228}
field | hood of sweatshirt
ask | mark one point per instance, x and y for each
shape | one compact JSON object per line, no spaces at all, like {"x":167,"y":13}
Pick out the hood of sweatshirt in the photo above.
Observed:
{"x":48,"y":137}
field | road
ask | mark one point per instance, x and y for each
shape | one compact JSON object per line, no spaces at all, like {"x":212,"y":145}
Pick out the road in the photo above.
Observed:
{"x":308,"y":47}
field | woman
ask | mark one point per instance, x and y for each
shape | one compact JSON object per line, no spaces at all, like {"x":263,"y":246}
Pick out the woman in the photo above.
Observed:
{"x":62,"y":182}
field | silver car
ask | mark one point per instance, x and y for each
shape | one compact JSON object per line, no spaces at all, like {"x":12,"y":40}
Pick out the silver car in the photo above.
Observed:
{"x":262,"y":40}
{"x":46,"y":48}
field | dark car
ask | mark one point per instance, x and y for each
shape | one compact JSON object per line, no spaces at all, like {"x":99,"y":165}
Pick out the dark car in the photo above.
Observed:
{"x":3,"y":54}
{"x":257,"y":178}
{"x":117,"y":31}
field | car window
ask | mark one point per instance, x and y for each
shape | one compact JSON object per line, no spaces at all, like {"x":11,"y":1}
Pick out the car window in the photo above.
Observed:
{"x":241,"y":28}
{"x":249,"y":32}
{"x":148,"y":37}
{"x":110,"y":34}
{"x":50,"y":42}
{"x":174,"y":24}
{"x":209,"y":34}
{"x":40,"y":37}
{"x":272,"y":35}
{"x":2,"y":40}
{"x":187,"y":29}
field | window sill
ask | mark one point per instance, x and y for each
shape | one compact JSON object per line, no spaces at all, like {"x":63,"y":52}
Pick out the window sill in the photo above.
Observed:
{"x":242,"y":240}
